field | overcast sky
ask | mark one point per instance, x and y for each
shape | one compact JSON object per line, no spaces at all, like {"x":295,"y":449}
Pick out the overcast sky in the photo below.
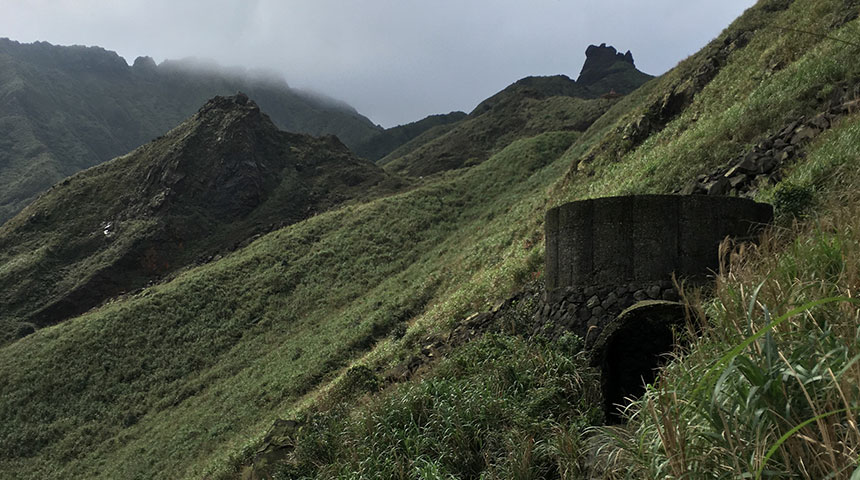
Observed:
{"x":394,"y":60}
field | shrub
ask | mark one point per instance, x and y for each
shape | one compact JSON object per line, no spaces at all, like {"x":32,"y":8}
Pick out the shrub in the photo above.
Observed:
{"x":792,"y":200}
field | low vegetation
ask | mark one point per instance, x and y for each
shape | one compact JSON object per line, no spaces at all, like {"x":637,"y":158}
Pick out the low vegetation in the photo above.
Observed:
{"x":184,"y":379}
{"x":770,"y":390}
{"x":501,"y":407}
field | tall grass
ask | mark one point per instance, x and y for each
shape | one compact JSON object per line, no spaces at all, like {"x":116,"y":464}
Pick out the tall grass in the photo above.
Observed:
{"x":500,"y":408}
{"x":772,"y":387}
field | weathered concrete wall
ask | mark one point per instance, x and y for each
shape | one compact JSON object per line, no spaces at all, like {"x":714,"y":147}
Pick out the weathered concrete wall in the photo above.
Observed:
{"x":642,"y":238}
{"x":585,"y":311}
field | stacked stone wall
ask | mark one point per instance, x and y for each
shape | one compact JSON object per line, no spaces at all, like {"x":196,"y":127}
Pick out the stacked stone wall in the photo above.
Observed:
{"x":604,"y":255}
{"x":586,"y":310}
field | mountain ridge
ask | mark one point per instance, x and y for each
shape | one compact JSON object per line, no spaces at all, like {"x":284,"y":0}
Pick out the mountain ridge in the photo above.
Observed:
{"x":221,"y":176}
{"x":398,"y":337}
{"x":69,"y":108}
{"x":527,"y":106}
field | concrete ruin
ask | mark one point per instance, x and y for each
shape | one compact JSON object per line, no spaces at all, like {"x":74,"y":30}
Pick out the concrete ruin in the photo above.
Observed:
{"x":606,"y":256}
{"x":642,"y":238}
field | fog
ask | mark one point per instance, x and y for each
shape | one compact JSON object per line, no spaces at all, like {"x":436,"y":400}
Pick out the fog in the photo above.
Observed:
{"x":395,"y":61}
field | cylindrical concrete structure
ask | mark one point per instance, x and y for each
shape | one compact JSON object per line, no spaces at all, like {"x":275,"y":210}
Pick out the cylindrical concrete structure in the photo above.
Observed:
{"x":641,"y":238}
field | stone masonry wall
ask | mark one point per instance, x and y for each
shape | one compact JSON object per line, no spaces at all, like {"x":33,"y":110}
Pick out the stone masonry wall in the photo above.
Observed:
{"x":586,"y":310}
{"x":642,"y":238}
{"x":604,"y":255}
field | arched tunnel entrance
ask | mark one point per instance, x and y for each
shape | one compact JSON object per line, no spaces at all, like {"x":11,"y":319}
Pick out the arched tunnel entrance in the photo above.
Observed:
{"x":631,"y":348}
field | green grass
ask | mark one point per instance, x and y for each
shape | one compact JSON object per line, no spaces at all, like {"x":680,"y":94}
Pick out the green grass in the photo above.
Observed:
{"x":516,"y":114}
{"x":742,"y":104}
{"x":385,"y":142}
{"x":501,"y":407}
{"x":167,"y":380}
{"x":184,"y":379}
{"x":160,"y":222}
{"x":784,"y":399}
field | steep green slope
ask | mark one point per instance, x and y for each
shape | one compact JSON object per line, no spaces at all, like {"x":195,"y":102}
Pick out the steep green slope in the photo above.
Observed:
{"x":473,"y":140}
{"x":782,"y":406}
{"x":525,"y":108}
{"x":184,"y":379}
{"x":388,"y":140}
{"x":194,"y":365}
{"x":64,"y":109}
{"x":205,"y":187}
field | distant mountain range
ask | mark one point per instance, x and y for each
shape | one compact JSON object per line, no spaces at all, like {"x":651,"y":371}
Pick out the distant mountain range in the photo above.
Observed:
{"x":224,"y":174}
{"x":63,"y":109}
{"x":523,"y":109}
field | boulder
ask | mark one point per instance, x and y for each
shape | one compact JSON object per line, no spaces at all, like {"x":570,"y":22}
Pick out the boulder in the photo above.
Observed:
{"x":718,"y":187}
{"x":804,"y":134}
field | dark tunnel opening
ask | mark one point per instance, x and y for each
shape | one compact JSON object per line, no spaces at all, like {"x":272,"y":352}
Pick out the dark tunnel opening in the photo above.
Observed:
{"x":633,"y":350}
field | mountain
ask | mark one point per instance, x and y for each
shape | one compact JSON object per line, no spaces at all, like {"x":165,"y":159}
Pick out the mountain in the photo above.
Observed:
{"x":222,"y":176}
{"x":386,"y":141}
{"x":606,"y":69}
{"x":64,"y":109}
{"x":525,"y":108}
{"x":399,"y":336}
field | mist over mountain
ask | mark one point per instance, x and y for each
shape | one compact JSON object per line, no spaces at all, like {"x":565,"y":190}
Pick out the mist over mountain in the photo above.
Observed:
{"x":68,"y":108}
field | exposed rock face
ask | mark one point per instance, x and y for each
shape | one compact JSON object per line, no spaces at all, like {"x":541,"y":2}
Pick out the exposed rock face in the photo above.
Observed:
{"x":216,"y":182}
{"x":763,"y":163}
{"x":65,"y":109}
{"x":664,"y":109}
{"x":227,"y":131}
{"x":599,"y":60}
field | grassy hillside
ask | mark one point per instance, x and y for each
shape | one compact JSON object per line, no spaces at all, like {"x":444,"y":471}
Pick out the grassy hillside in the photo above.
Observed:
{"x":184,"y":379}
{"x":388,"y":140}
{"x":525,"y":108}
{"x":64,"y":109}
{"x":473,"y":140}
{"x":267,"y":324}
{"x":204,"y":188}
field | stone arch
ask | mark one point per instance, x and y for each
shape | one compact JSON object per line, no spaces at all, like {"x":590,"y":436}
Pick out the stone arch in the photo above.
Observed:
{"x":632,"y":347}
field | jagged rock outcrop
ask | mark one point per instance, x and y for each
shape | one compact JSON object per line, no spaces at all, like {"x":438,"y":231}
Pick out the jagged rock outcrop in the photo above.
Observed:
{"x":64,"y":109}
{"x":599,"y":60}
{"x":221,"y":178}
{"x":529,"y":106}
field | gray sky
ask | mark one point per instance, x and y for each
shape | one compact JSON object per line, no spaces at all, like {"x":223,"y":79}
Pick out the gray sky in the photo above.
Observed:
{"x":394,"y":60}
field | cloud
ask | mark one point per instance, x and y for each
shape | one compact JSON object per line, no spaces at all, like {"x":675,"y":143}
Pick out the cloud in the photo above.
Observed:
{"x":394,"y":60}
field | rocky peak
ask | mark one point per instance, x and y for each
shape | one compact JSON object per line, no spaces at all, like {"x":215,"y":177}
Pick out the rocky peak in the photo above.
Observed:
{"x":599,"y":60}
{"x":216,"y":158}
{"x":144,"y":63}
{"x":238,"y":104}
